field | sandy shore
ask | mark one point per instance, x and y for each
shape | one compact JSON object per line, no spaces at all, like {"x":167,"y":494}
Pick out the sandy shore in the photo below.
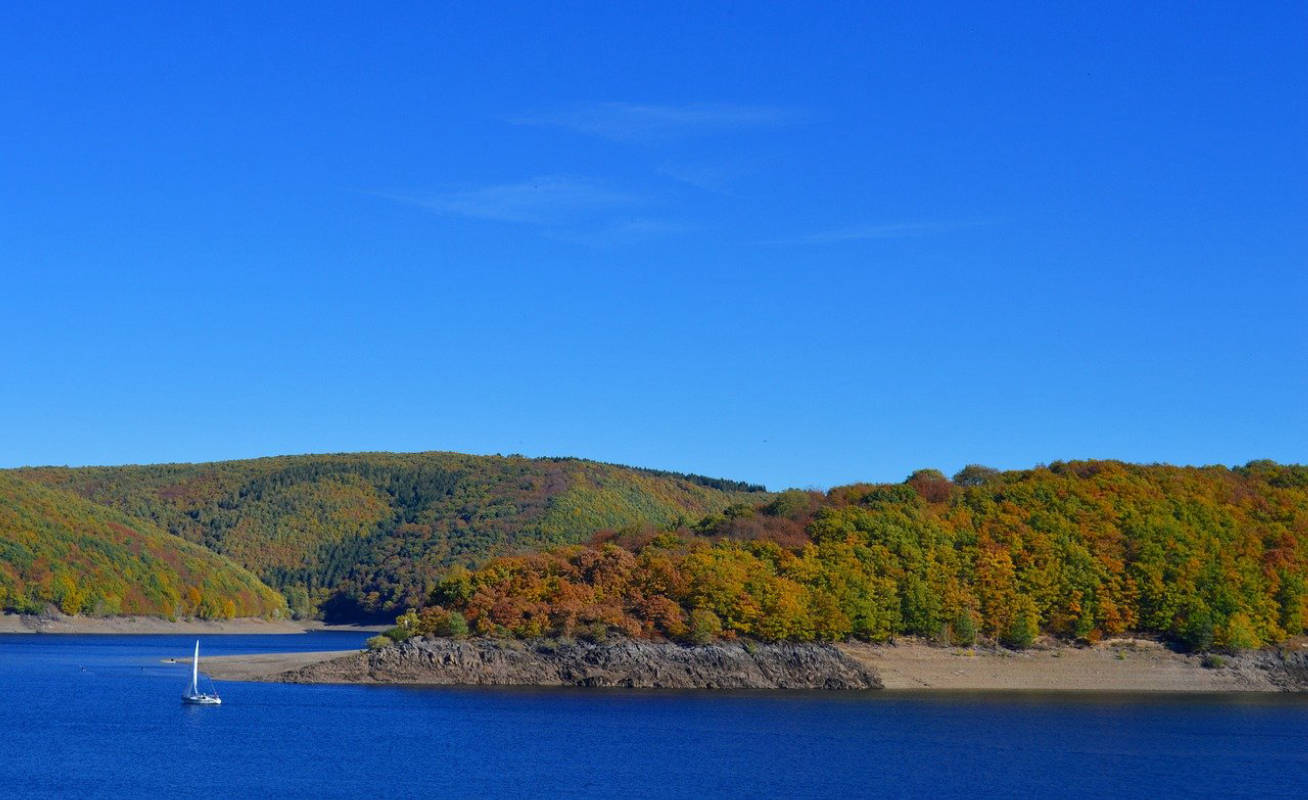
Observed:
{"x":15,"y":623}
{"x":1123,"y":665}
{"x":261,"y":666}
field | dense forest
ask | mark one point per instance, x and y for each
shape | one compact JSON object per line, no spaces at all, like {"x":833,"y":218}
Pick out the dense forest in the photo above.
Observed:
{"x":59,"y":550}
{"x":366,"y":535}
{"x":1205,"y":557}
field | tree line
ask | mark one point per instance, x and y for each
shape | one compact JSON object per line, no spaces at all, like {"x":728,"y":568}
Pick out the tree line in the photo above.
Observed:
{"x":1206,"y":557}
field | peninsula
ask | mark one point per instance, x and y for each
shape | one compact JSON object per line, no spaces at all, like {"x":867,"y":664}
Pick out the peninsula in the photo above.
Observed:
{"x":1118,"y":665}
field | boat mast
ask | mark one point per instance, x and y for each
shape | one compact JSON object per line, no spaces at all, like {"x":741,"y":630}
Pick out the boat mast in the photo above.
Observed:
{"x":195,"y":669}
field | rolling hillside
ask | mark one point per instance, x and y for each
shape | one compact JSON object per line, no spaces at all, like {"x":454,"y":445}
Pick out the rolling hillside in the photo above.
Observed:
{"x":367,"y":534}
{"x":58,"y":549}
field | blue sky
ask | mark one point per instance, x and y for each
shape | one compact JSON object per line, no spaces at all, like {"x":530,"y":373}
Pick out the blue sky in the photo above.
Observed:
{"x":798,"y":245}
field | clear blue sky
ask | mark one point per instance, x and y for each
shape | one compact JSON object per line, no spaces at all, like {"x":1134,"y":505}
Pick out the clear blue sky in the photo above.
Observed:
{"x":801,"y":245}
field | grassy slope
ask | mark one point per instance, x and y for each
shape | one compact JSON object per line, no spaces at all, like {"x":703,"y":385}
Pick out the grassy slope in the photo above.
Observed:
{"x":368,"y":533}
{"x":56,"y":548}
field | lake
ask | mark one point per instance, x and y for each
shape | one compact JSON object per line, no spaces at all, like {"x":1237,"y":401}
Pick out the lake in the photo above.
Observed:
{"x":99,"y":716}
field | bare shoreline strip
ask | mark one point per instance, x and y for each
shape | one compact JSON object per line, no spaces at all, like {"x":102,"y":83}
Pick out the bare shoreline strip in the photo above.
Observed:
{"x":1122,"y":665}
{"x":16,"y":623}
{"x":262,"y":667}
{"x":1127,"y":666}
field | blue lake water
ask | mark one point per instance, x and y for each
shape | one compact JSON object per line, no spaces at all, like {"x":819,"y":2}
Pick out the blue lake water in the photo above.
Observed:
{"x":99,"y":716}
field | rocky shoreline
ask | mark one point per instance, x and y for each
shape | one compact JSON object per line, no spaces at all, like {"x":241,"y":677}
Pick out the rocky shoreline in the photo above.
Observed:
{"x":1120,"y":665}
{"x":1287,"y":670}
{"x":622,"y":663}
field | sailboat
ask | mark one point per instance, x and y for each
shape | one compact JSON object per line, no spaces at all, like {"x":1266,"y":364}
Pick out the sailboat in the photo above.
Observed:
{"x":193,"y":695}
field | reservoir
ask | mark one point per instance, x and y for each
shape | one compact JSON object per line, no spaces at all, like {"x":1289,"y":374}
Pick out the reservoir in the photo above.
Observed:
{"x":100,"y":716}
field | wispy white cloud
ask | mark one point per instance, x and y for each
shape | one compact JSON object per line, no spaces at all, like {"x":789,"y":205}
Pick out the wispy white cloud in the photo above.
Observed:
{"x":568,"y":209}
{"x":546,"y":200}
{"x":623,"y":232}
{"x":870,"y":232}
{"x":643,"y":122}
{"x":717,"y":176}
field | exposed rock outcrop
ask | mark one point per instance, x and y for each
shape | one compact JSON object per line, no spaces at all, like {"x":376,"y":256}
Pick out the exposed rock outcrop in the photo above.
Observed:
{"x":1285,"y":669}
{"x":624,"y":663}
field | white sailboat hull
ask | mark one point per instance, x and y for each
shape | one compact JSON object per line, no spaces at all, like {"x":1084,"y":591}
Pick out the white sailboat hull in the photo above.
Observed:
{"x":193,"y":696}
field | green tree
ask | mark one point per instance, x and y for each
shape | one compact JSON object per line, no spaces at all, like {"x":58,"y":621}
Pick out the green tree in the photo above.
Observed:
{"x":976,"y":475}
{"x":705,"y":626}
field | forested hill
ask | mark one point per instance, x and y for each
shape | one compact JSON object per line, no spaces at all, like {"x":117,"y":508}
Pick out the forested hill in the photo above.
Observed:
{"x":58,"y":549}
{"x":1207,"y":557}
{"x":367,"y":534}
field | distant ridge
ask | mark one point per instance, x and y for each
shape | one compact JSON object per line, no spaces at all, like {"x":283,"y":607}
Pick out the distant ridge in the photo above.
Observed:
{"x":365,"y":535}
